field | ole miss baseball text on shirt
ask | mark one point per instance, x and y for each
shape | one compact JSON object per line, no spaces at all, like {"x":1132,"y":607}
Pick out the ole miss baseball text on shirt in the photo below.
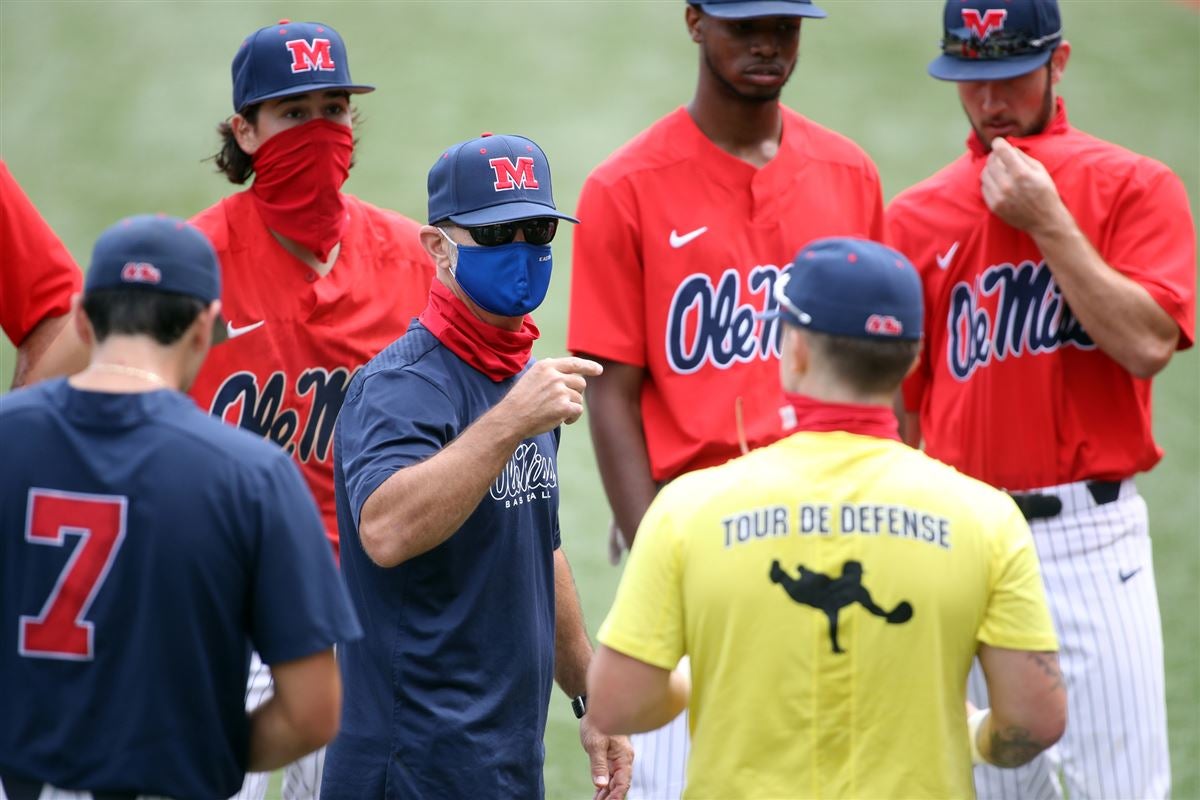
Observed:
{"x":1011,"y":389}
{"x":297,"y":338}
{"x":679,"y":247}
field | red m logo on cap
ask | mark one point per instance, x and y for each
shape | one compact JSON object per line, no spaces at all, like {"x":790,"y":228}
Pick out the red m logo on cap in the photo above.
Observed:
{"x":510,"y":175}
{"x":310,"y":56}
{"x":984,"y":24}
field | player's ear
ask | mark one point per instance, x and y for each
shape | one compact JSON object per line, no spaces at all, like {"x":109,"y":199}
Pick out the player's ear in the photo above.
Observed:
{"x":245,"y":134}
{"x":202,"y":328}
{"x":793,"y":361}
{"x":916,"y":362}
{"x":692,"y":17}
{"x":83,"y":325}
{"x":1058,"y":61}
{"x":435,"y":244}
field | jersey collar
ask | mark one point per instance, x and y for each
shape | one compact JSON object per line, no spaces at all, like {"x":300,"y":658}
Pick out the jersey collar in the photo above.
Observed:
{"x":733,"y":171}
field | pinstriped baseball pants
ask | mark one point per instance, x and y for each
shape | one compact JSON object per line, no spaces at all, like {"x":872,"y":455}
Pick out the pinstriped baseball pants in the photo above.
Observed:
{"x":1099,"y":578}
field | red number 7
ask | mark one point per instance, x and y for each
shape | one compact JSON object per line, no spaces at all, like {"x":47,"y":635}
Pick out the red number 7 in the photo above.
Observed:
{"x":60,"y":631}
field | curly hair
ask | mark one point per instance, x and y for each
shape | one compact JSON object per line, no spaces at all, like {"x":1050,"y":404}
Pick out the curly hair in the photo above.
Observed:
{"x":231,"y":160}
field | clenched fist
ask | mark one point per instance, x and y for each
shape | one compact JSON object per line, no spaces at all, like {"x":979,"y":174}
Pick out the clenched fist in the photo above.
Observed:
{"x":1018,"y":189}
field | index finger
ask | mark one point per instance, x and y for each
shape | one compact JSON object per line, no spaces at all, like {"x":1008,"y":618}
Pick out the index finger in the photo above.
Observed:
{"x":1006,"y":152}
{"x":576,"y":366}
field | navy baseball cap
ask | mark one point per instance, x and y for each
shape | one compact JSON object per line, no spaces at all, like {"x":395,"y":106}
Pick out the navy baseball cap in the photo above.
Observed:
{"x":851,"y":287}
{"x":291,"y":58}
{"x":491,"y":179}
{"x":154,"y":251}
{"x":747,"y":9}
{"x":994,"y":40}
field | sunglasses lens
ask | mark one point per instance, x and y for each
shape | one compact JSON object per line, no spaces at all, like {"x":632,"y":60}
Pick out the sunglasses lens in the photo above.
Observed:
{"x":494,"y":235}
{"x":540,"y":231}
{"x":537,"y":231}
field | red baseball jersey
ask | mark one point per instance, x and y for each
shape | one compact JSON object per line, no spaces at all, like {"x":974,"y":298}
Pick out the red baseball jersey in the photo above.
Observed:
{"x":296,"y":337}
{"x":1010,"y":388}
{"x":37,"y":274}
{"x":679,"y":247}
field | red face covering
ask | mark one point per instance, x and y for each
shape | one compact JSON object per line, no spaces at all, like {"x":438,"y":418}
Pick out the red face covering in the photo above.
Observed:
{"x":299,"y":174}
{"x":865,"y":420}
{"x":496,"y":352}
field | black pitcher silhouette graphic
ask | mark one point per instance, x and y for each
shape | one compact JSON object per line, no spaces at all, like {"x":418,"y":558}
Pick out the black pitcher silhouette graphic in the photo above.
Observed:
{"x":831,"y":595}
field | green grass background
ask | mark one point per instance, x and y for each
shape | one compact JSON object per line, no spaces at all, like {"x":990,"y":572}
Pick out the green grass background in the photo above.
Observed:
{"x":109,"y":108}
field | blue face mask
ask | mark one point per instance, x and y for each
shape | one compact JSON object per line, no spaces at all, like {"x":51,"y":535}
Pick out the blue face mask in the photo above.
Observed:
{"x":509,"y":280}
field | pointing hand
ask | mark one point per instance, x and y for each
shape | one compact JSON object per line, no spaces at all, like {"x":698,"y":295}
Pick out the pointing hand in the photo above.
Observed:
{"x":549,"y":394}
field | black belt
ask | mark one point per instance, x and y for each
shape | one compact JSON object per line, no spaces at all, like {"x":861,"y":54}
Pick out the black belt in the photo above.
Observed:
{"x":1045,"y":506}
{"x":24,"y":789}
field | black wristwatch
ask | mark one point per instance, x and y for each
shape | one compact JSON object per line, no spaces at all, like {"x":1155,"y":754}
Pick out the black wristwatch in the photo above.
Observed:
{"x":579,"y":706}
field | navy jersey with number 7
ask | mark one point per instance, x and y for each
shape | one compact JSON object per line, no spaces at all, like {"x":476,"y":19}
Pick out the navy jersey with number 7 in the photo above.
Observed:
{"x":144,"y":547}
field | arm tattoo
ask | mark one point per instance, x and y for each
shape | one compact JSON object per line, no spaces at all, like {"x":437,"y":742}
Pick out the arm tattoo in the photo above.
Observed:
{"x":1048,"y":664}
{"x":1013,"y":747}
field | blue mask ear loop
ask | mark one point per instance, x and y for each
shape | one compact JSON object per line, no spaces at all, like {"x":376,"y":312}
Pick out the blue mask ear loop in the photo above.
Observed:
{"x":453,"y":249}
{"x":454,"y":267}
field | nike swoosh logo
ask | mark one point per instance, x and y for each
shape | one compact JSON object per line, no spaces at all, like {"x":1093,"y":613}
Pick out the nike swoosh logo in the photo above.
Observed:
{"x":1125,"y":576}
{"x":678,"y":241}
{"x":242,"y":331}
{"x":943,"y":261}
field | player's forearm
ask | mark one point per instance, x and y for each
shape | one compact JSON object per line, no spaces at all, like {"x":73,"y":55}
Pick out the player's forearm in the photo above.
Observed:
{"x":615,"y":422}
{"x":1118,"y":313}
{"x":629,"y":696}
{"x":660,"y":709}
{"x":302,"y":716}
{"x":1004,"y":744}
{"x":51,"y":349}
{"x":421,"y":506}
{"x":1029,"y":705}
{"x":572,"y":647}
{"x":274,"y":742}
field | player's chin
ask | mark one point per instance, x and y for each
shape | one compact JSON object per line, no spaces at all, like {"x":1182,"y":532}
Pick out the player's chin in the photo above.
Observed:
{"x":755,"y":93}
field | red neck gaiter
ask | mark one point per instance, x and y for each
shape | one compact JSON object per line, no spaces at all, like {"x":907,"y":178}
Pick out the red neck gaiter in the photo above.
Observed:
{"x":495,"y":352}
{"x":864,"y":420}
{"x":297,"y":185}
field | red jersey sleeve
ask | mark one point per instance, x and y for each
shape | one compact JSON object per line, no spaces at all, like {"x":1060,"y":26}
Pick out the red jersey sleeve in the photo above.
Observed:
{"x":37,"y":274}
{"x":878,"y":222}
{"x":1153,"y":241}
{"x":895,"y":236}
{"x":607,"y":316}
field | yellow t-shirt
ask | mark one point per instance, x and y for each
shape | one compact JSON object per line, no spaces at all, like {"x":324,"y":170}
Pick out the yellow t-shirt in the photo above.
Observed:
{"x":748,"y":566}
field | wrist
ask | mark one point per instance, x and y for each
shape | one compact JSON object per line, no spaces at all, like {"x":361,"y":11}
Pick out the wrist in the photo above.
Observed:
{"x":1057,"y":224}
{"x":975,"y":723}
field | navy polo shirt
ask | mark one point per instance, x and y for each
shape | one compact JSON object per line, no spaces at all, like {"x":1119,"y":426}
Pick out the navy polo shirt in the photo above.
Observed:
{"x":447,"y":693}
{"x":144,"y":547}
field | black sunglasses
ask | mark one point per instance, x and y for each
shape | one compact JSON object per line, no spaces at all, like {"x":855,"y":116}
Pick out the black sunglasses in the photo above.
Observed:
{"x":963,"y":43}
{"x":540,"y":230}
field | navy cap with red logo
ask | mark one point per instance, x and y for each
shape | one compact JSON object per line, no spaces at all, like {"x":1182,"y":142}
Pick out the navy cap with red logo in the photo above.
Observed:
{"x":994,"y":40}
{"x":491,"y":179}
{"x":851,"y":287}
{"x":154,"y":251}
{"x":749,"y":9}
{"x":291,"y":58}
